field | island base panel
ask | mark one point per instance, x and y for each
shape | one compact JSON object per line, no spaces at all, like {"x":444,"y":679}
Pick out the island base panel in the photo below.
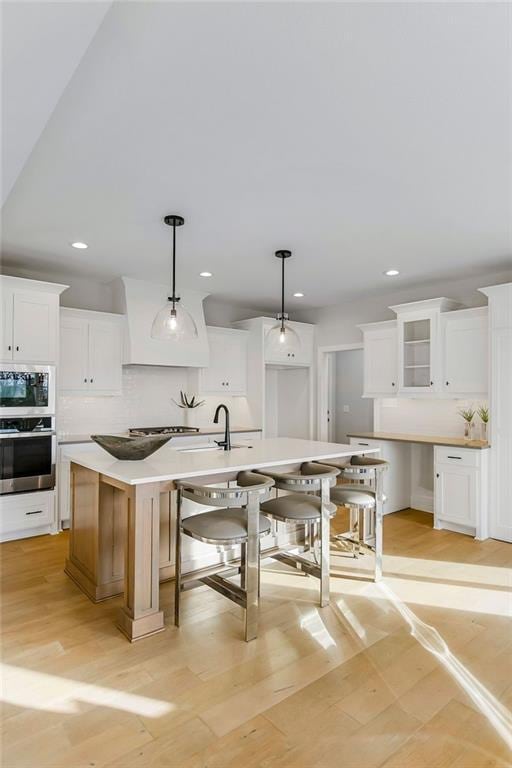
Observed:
{"x":141,"y":615}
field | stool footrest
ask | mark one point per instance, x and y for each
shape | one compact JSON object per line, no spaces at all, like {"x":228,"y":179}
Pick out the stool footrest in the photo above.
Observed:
{"x":300,"y":563}
{"x":227,"y":589}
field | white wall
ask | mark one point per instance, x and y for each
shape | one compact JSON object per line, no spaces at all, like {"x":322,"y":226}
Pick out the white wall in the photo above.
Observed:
{"x":348,"y":390}
{"x":146,"y":402}
{"x":423,"y":417}
{"x":337,"y":324}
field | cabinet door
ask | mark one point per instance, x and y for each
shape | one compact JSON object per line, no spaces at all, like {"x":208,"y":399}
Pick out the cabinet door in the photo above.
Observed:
{"x":74,"y":350}
{"x":7,"y":310}
{"x":236,"y":364}
{"x":418,"y":353}
{"x":214,"y":377}
{"x":35,"y":327}
{"x":455,"y":494}
{"x":465,"y":354}
{"x":227,"y":372}
{"x":380,"y":362}
{"x":105,"y":363}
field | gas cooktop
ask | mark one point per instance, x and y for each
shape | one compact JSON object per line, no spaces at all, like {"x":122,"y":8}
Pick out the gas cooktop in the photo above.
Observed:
{"x":162,"y":430}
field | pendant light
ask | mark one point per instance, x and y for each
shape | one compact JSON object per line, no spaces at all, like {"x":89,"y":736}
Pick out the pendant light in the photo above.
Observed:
{"x":173,"y":322}
{"x":282,"y":339}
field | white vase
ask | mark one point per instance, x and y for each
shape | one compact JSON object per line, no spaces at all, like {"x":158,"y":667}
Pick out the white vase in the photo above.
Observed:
{"x":188,"y":417}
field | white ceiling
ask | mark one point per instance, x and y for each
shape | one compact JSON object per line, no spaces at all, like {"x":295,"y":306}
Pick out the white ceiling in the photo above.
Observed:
{"x":361,"y":136}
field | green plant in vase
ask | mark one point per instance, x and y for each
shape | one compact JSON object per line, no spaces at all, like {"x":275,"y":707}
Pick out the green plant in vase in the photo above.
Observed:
{"x":483,"y":412}
{"x":468,"y":414}
{"x":188,"y":405}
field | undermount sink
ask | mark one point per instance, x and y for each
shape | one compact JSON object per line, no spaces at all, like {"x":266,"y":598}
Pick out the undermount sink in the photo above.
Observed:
{"x":202,"y":449}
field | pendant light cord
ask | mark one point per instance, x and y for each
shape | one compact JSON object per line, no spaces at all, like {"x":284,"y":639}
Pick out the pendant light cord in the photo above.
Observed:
{"x":282,"y":295}
{"x":173,"y":265}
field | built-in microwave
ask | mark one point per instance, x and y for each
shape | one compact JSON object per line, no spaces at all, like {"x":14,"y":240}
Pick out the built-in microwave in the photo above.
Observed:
{"x":27,"y":390}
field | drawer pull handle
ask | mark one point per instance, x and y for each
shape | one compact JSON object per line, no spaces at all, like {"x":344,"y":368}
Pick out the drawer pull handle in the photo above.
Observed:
{"x":363,"y":443}
{"x":35,"y":512}
{"x":454,"y":457}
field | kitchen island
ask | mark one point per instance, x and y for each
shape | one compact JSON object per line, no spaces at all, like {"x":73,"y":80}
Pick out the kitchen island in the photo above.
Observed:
{"x":118,"y":507}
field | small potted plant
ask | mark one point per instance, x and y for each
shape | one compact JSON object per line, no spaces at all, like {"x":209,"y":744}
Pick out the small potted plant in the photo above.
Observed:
{"x":188,"y":406}
{"x":483,"y":412}
{"x":468,"y":414}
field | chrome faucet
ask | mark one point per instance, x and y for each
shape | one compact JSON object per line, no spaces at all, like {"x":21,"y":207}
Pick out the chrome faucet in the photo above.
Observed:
{"x":226,"y":443}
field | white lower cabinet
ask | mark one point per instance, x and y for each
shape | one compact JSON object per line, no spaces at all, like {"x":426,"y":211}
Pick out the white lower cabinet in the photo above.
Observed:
{"x":460,"y":495}
{"x":27,"y":514}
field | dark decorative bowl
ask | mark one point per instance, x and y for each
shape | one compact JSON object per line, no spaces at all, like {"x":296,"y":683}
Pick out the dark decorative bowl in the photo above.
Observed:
{"x":132,"y":448}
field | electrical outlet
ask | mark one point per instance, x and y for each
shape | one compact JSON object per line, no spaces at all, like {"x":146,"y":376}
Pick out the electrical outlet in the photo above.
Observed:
{"x":346,"y":409}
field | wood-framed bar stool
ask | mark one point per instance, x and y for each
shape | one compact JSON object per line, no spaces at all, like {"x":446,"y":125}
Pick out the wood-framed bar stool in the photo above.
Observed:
{"x":236,"y":522}
{"x":307,"y":502}
{"x":361,"y":492}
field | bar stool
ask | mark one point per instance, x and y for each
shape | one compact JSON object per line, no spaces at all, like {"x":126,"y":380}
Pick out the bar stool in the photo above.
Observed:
{"x":238,"y":521}
{"x":361,"y":492}
{"x":304,"y":507}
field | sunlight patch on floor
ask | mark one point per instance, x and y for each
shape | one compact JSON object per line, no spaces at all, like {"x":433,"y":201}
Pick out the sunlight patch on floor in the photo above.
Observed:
{"x":498,"y":716}
{"x":313,"y":624}
{"x":37,"y":690}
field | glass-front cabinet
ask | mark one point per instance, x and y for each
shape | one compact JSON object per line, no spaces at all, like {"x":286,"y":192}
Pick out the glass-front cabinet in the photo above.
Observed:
{"x":419,"y":364}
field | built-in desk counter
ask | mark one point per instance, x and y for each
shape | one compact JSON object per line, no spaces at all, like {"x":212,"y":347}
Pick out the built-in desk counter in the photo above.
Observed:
{"x":447,"y":476}
{"x":399,"y":437}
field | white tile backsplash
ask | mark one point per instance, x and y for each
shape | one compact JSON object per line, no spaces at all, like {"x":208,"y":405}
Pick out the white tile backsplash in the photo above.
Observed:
{"x":147,"y":401}
{"x":424,"y":416}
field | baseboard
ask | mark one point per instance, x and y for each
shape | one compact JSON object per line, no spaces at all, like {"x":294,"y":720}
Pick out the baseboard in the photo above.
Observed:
{"x":424,"y":502}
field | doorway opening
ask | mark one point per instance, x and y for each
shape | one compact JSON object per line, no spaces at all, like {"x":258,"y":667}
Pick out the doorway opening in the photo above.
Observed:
{"x":342,"y":408}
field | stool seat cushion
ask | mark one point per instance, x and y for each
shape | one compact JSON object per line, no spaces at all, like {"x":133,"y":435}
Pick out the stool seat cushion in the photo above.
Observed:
{"x":296,"y":506}
{"x":222,"y":525}
{"x":346,"y":494}
{"x":366,"y":461}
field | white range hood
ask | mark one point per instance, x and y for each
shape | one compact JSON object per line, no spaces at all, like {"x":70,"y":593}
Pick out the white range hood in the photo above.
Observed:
{"x":140,"y":301}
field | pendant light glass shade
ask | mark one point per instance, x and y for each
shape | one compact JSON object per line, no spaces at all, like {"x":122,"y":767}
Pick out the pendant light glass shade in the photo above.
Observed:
{"x":173,"y":322}
{"x":282,"y":340}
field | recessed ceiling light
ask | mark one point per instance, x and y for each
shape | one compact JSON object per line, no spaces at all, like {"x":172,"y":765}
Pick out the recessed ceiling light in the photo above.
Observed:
{"x":79,"y":245}
{"x":391,"y":272}
{"x":205,"y":274}
{"x":299,"y":295}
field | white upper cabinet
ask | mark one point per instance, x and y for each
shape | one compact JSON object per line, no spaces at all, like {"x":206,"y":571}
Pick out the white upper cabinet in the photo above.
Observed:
{"x":419,"y":364}
{"x":30,"y":320}
{"x":227,"y":371}
{"x":90,"y":352}
{"x":140,"y":301}
{"x":380,"y":359}
{"x":305,"y":353}
{"x":431,"y":350}
{"x":465,"y":342}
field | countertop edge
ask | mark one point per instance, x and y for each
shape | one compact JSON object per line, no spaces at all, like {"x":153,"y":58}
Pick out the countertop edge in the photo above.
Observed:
{"x":89,"y":463}
{"x":449,"y":442}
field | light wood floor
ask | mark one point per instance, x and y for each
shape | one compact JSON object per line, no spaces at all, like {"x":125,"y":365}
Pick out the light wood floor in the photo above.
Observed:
{"x":416,"y":672}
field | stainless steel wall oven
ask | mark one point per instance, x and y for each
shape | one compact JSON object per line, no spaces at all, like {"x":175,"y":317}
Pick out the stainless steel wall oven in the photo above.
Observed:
{"x":27,"y":454}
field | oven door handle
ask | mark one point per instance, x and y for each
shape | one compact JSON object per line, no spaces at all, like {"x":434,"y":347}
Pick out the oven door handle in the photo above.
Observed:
{"x":17,"y":435}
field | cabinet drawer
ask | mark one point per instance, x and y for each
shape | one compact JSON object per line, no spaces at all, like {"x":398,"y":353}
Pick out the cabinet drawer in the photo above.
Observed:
{"x":463,"y":457}
{"x":22,"y":511}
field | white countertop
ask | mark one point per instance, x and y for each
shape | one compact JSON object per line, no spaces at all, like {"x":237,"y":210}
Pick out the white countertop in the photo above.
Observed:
{"x":171,"y":464}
